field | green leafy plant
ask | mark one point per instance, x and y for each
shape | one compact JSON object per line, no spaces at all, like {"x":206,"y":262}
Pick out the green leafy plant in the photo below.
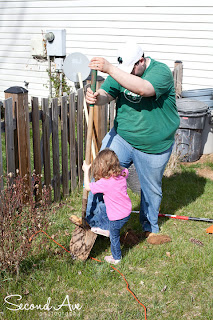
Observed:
{"x":57,"y":83}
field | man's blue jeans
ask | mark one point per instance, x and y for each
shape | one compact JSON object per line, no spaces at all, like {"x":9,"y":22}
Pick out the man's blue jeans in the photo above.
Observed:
{"x":114,"y":229}
{"x":150,"y":169}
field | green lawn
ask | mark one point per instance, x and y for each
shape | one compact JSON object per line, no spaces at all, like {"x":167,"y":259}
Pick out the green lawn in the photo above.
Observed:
{"x":173,"y":281}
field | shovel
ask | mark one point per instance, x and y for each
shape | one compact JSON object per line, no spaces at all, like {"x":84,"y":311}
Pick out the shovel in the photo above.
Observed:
{"x":83,"y":238}
{"x":76,"y":68}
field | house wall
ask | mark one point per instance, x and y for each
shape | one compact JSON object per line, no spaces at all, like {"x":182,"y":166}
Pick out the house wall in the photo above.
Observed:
{"x":167,"y":30}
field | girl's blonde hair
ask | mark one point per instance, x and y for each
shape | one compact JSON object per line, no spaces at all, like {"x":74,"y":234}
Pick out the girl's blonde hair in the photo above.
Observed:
{"x":106,"y":165}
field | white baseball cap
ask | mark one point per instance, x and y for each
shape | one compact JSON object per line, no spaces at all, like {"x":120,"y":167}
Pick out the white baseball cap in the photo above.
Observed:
{"x":128,"y":54}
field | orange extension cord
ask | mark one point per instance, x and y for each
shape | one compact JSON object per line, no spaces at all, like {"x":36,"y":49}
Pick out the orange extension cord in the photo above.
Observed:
{"x":127,"y":285}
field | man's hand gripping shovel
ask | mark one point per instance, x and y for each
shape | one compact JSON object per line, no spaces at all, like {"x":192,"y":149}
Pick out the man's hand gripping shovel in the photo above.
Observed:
{"x":83,"y":238}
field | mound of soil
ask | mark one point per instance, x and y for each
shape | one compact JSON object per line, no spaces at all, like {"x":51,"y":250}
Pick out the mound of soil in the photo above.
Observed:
{"x":203,"y":172}
{"x":131,"y":238}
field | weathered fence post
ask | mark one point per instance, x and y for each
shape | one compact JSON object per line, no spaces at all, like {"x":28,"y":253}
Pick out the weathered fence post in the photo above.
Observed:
{"x":64,"y":146}
{"x":23,"y":134}
{"x":80,"y":135}
{"x":178,"y":77}
{"x":8,"y":105}
{"x":13,"y":92}
{"x":72,"y":139}
{"x":46,"y":143}
{"x":21,"y":111}
{"x":55,"y":146}
{"x":36,"y":143}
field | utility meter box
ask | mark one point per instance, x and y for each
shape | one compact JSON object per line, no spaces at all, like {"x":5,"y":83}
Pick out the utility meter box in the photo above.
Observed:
{"x":56,"y":43}
{"x":38,"y":47}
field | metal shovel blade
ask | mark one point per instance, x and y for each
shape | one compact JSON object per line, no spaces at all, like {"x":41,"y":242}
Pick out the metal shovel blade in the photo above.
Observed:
{"x":82,"y":242}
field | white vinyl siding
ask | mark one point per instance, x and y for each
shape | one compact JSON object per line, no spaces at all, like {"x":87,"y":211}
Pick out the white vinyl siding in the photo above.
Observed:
{"x":167,"y":30}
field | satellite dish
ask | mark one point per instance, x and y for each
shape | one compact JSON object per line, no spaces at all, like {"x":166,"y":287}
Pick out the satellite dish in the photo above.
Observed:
{"x":76,"y":63}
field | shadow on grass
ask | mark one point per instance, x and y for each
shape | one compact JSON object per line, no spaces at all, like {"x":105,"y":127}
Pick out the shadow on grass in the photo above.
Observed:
{"x":102,"y":244}
{"x":180,"y":190}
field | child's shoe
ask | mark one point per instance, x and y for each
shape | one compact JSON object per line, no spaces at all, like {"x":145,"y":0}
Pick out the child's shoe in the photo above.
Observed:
{"x":100,"y":231}
{"x":110,"y":259}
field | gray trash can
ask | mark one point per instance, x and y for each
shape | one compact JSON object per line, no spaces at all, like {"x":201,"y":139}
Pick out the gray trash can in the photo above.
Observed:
{"x":188,"y":137}
{"x":205,"y":95}
{"x":207,"y":134}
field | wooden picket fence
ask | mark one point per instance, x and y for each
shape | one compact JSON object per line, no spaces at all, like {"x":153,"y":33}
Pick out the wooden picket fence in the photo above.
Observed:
{"x":55,"y":133}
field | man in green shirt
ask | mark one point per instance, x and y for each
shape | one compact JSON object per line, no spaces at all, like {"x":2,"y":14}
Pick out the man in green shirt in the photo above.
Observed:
{"x":144,"y":127}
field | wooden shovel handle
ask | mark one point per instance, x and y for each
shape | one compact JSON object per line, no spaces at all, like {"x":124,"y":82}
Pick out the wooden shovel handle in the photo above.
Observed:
{"x":90,"y":120}
{"x":89,"y":142}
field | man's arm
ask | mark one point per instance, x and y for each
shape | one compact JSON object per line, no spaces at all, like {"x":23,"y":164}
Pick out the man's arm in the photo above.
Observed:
{"x":129,"y":81}
{"x":132,"y":83}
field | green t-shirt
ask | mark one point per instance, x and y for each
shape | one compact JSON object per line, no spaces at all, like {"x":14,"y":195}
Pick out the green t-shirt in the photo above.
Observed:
{"x":148,"y":124}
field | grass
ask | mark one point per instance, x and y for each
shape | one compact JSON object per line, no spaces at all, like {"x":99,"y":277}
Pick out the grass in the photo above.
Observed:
{"x":174,"y":280}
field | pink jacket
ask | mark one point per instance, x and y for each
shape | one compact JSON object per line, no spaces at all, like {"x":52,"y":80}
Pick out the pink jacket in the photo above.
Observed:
{"x":117,"y":201}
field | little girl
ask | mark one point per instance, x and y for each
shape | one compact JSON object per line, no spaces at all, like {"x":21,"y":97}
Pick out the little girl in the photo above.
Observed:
{"x":110,"y":179}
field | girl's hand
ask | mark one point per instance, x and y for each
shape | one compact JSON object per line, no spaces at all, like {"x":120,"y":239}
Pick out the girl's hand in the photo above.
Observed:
{"x":86,"y":167}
